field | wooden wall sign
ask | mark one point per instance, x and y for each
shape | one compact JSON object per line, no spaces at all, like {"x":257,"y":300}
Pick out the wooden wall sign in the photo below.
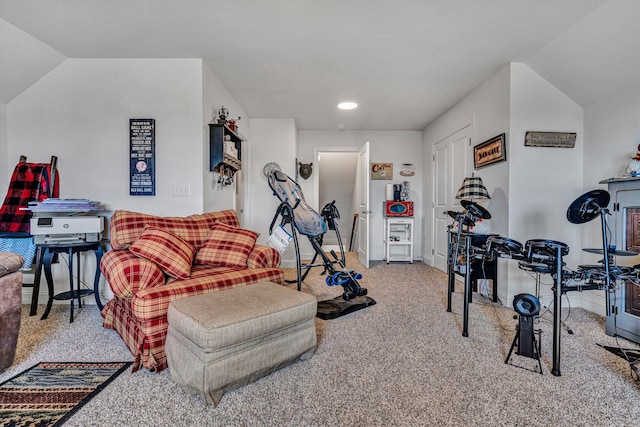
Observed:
{"x":381,"y":171}
{"x":550,"y":139}
{"x":489,"y":152}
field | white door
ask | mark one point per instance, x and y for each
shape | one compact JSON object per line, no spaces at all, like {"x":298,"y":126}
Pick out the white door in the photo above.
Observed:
{"x":363,"y":205}
{"x":451,"y":160}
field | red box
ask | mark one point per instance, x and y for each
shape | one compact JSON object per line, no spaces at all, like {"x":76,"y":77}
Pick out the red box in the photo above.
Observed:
{"x":392,"y":208}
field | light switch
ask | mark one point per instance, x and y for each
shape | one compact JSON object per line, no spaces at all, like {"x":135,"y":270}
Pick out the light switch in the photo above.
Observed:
{"x":181,"y":190}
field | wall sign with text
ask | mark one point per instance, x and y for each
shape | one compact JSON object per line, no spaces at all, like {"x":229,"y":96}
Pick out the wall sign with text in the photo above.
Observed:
{"x":142,"y":157}
{"x":550,"y":139}
{"x":381,"y":170}
{"x":489,"y":152}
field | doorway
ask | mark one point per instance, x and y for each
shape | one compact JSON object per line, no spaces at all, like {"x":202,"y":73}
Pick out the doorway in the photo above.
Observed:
{"x":336,"y":180}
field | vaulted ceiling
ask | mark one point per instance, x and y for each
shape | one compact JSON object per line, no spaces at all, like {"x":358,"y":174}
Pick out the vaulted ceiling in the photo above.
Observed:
{"x":405,"y":62}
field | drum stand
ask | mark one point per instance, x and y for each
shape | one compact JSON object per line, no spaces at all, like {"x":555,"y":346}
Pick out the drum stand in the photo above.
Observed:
{"x":472,"y":211}
{"x":584,"y":209}
{"x":538,"y":283}
{"x":562,"y":322}
{"x":530,"y":346}
{"x":528,"y":308}
{"x":557,"y":314}
{"x":554,"y":267}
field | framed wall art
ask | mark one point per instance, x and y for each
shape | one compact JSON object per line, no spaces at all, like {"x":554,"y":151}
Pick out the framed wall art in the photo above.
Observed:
{"x":381,"y":171}
{"x":489,"y":152}
{"x":550,"y":139}
{"x":142,"y":157}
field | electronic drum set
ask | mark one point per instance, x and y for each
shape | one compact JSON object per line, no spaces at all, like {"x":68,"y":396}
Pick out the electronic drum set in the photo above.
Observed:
{"x":542,"y":256}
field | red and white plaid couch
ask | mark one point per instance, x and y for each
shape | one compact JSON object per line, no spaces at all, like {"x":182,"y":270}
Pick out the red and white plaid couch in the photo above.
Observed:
{"x":141,"y":270}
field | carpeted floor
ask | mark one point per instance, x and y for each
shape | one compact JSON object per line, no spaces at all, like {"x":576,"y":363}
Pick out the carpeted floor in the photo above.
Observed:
{"x":402,"y":362}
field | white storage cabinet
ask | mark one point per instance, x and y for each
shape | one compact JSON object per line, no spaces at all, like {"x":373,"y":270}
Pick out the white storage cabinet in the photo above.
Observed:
{"x":398,"y":239}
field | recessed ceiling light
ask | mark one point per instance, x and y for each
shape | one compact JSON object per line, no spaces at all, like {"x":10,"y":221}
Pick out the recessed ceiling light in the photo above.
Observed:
{"x":347,"y":105}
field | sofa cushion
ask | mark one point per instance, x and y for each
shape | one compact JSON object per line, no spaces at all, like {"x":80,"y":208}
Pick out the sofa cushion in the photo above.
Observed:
{"x":151,"y":304}
{"x":227,"y":246}
{"x":173,"y":254}
{"x":125,"y":226}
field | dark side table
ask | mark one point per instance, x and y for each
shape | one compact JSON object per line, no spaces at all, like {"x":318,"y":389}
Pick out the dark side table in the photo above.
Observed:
{"x":45,"y":259}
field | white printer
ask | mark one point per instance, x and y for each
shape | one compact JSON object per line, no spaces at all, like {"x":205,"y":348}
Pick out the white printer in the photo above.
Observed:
{"x":66,"y":229}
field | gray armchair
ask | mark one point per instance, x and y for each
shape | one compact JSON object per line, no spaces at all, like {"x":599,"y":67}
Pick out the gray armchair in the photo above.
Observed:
{"x":10,"y":306}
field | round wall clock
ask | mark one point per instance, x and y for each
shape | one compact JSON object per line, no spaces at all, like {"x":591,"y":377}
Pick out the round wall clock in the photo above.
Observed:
{"x":269,"y":167}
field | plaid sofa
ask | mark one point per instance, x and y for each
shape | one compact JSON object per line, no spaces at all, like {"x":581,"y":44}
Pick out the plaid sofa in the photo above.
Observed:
{"x":143,"y":290}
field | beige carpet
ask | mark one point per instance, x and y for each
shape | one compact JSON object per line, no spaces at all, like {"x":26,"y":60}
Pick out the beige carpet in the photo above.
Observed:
{"x":402,"y":362}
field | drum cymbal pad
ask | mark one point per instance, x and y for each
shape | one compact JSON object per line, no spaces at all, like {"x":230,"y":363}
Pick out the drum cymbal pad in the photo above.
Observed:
{"x":588,"y":206}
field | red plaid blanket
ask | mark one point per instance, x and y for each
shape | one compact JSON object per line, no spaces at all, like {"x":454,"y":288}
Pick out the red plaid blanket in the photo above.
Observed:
{"x":29,"y":182}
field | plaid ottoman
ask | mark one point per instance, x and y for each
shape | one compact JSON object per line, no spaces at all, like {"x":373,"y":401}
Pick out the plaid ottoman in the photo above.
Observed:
{"x":223,"y":340}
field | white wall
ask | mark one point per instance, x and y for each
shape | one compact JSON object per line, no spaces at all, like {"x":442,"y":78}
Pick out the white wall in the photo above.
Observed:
{"x":397,"y":147}
{"x":80,"y":112}
{"x":543,"y":180}
{"x":487,"y":110}
{"x":533,"y":188}
{"x":612,"y":136}
{"x":23,"y":60}
{"x":272,"y":140}
{"x":215,"y":95}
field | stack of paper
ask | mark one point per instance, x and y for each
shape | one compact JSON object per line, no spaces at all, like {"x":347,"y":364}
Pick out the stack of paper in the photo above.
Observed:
{"x":65,"y":206}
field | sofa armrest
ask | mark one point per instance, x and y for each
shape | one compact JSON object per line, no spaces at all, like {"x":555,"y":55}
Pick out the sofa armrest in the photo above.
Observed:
{"x":263,"y":257}
{"x":9,"y":262}
{"x":127,"y":273}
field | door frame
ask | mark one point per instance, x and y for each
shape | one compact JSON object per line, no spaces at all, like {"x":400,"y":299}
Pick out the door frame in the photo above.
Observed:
{"x":316,"y":181}
{"x":468,"y":170}
{"x":316,"y":166}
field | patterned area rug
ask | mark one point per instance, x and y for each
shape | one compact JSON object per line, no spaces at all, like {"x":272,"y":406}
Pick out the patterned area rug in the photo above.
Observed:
{"x":47,"y":394}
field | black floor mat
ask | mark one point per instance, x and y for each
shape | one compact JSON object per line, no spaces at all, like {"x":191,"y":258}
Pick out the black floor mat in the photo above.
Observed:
{"x":629,"y":354}
{"x":333,"y":308}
